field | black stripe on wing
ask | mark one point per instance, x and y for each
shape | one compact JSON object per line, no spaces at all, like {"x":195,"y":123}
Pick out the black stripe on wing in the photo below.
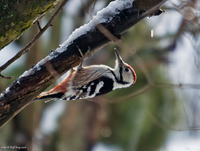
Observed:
{"x":97,"y":87}
{"x":107,"y":86}
{"x":94,"y":88}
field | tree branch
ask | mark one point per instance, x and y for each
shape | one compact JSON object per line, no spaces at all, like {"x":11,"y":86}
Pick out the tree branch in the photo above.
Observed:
{"x":5,"y":77}
{"x":21,"y":93}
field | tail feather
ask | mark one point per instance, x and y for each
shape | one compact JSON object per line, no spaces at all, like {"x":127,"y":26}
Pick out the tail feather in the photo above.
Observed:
{"x":50,"y":96}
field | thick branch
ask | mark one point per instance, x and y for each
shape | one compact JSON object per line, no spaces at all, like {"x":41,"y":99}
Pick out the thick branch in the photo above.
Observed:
{"x":20,"y":93}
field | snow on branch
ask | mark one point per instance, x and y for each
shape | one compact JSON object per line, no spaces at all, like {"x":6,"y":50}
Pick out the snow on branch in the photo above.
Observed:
{"x":113,"y":20}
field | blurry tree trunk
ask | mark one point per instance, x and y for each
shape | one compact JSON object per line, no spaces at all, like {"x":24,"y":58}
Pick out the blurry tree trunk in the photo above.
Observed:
{"x":81,"y":125}
{"x":54,"y":40}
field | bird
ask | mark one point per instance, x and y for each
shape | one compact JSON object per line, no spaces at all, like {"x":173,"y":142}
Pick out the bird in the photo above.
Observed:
{"x":94,"y":80}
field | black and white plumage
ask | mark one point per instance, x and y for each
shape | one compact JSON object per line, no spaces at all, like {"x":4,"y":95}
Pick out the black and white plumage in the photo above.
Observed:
{"x":90,"y":81}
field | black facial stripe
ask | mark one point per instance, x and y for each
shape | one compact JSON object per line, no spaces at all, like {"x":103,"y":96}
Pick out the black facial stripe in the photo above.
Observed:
{"x":118,"y":80}
{"x":120,"y":72}
{"x":114,"y":75}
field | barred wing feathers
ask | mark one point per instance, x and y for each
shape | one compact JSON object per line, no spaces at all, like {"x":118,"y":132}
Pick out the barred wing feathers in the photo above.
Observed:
{"x":89,"y":82}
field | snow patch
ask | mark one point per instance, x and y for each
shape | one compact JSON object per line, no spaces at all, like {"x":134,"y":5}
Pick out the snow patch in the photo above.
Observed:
{"x":26,"y":73}
{"x":37,"y":67}
{"x":18,"y":81}
{"x":7,"y":90}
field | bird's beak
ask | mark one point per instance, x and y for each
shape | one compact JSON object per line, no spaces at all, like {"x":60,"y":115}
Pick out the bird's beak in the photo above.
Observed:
{"x":119,"y":60}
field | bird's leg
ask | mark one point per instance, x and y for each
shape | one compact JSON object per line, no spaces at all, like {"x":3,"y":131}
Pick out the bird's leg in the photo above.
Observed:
{"x":82,"y":58}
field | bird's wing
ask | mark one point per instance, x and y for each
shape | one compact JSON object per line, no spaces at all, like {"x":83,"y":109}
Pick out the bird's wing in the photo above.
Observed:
{"x":86,"y":75}
{"x":83,"y":83}
{"x":90,"y":82}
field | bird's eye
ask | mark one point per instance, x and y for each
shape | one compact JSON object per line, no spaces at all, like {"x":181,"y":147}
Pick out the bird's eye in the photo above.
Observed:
{"x":127,"y":69}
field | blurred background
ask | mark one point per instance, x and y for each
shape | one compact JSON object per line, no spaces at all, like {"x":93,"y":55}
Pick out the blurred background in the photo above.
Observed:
{"x":165,"y":53}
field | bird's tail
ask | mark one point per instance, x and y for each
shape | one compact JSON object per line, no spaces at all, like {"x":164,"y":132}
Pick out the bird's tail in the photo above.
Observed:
{"x":55,"y":93}
{"x":45,"y":95}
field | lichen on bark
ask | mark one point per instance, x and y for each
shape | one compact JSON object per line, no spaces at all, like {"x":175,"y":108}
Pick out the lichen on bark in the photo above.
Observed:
{"x":18,"y":15}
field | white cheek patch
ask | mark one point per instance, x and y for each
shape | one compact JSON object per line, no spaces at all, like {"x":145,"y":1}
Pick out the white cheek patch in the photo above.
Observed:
{"x":119,"y":85}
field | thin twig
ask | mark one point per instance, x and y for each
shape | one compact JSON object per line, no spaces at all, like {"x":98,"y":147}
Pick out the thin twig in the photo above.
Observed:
{"x":5,"y":77}
{"x":128,"y":97}
{"x":51,"y":70}
{"x":169,"y":127}
{"x":149,"y":87}
{"x":32,"y":42}
{"x":38,"y":24}
{"x":182,"y":86}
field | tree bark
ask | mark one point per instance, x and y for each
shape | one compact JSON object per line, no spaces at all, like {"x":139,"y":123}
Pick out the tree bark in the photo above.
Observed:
{"x":21,"y":93}
{"x":17,"y":16}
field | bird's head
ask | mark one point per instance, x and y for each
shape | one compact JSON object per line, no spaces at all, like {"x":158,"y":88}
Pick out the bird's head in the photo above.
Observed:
{"x":125,"y":74}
